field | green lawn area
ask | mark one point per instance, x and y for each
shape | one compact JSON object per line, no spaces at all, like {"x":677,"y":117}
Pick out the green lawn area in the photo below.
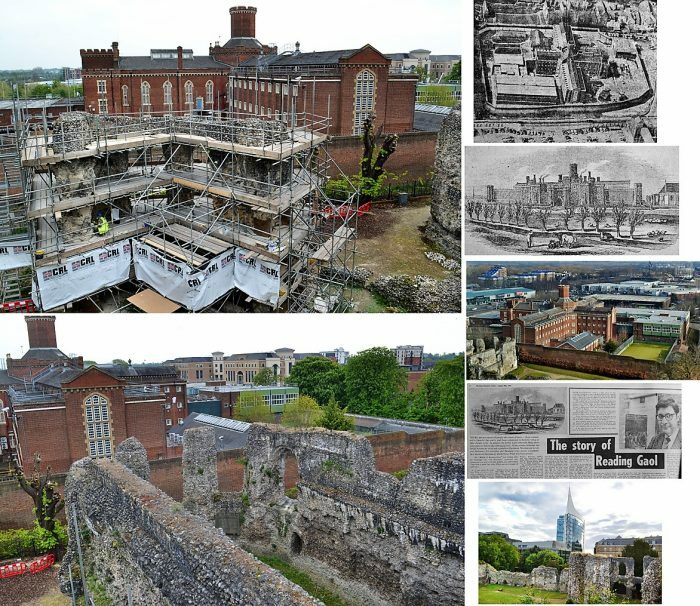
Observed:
{"x":303,"y":580}
{"x":505,"y":594}
{"x":536,"y":371}
{"x":647,"y":351}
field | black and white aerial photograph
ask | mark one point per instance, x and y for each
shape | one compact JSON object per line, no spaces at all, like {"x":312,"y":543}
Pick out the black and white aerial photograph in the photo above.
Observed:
{"x":555,"y":71}
{"x":572,"y":200}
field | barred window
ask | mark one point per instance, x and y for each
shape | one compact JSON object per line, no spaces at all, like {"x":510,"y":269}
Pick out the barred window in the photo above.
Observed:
{"x":365,"y":90}
{"x":210,"y":92}
{"x":98,"y":426}
{"x":102,"y":87}
{"x":189,"y":92}
{"x":125,"y":95}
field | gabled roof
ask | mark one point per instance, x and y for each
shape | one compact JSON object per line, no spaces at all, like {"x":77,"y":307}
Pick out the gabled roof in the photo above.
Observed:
{"x":139,"y":370}
{"x":6,"y":379}
{"x":331,"y":57}
{"x":54,"y":377}
{"x":147,"y":62}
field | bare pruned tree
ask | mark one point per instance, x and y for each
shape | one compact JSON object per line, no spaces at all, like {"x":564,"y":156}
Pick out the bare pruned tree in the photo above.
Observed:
{"x":372,"y":166}
{"x":598,"y":213}
{"x":636,"y":217}
{"x":620,"y":214}
{"x":542,"y":214}
{"x":501,"y":212}
{"x":583,"y":212}
{"x":526,"y":212}
{"x":48,"y":502}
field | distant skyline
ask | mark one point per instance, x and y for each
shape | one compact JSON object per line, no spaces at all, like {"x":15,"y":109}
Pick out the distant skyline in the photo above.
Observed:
{"x":528,"y":511}
{"x":50,"y":34}
{"x":158,"y":337}
{"x":503,"y":166}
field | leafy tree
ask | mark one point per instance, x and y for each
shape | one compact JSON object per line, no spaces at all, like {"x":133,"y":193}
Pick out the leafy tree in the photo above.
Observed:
{"x":252,"y":408}
{"x":303,"y":412}
{"x":440,"y":398}
{"x":373,"y":381}
{"x":685,"y":366}
{"x":638,"y":550}
{"x":495,"y":550}
{"x":334,"y":418}
{"x":544,"y":557}
{"x":455,"y":74}
{"x":264,"y":377}
{"x":321,"y":378}
{"x":611,"y":345}
{"x":120,"y":362}
{"x":48,"y":502}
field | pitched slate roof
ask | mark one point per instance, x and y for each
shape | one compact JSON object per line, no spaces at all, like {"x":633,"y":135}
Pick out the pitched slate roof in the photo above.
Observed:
{"x":147,"y":63}
{"x":45,"y":353}
{"x":243,"y":42}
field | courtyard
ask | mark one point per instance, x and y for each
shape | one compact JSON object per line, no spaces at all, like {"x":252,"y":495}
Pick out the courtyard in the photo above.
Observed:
{"x":655,"y":352}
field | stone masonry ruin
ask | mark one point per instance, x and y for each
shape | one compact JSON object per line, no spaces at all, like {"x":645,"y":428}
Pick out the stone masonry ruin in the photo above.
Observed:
{"x":588,"y":578}
{"x":491,"y":358}
{"x":376,"y":539}
{"x":445,"y":227}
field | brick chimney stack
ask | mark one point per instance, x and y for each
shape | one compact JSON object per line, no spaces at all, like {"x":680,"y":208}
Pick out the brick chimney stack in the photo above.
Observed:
{"x":41,"y":331}
{"x":564,"y":291}
{"x":243,"y":21}
{"x":180,"y":63}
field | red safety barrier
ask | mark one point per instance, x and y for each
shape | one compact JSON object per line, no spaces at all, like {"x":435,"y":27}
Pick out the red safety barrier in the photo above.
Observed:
{"x":343,"y":212}
{"x":12,"y":570}
{"x":42,"y":563}
{"x":22,"y":306}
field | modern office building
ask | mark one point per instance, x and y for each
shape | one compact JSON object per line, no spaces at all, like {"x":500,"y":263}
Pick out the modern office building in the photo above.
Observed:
{"x":571,"y":527}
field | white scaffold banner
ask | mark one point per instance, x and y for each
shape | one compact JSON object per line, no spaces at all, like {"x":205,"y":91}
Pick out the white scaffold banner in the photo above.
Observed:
{"x":257,"y":278}
{"x":15,"y":254}
{"x":82,"y":275}
{"x":194,"y":290}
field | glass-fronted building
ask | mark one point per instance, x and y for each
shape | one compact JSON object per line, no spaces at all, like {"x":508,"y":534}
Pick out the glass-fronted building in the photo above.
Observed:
{"x":571,"y":528}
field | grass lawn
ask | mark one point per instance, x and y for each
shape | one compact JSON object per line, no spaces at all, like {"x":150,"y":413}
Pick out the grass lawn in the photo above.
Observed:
{"x":536,"y":371}
{"x":647,"y":351}
{"x":505,"y":594}
{"x":303,"y":580}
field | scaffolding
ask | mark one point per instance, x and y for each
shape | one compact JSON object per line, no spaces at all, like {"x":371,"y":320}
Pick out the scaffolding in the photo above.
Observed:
{"x":196,"y":192}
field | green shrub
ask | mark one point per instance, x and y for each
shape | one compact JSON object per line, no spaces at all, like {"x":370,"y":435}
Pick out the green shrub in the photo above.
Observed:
{"x":23,"y":542}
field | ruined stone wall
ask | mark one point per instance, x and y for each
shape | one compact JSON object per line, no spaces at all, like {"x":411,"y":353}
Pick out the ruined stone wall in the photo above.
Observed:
{"x":136,"y":539}
{"x":383,"y":541}
{"x":445,"y":229}
{"x":542,"y":577}
{"x":490,"y":360}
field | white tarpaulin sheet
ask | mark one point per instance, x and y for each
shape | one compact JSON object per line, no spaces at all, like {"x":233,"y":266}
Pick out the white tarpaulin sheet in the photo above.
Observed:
{"x":193,"y":289}
{"x":14,"y":254}
{"x":82,"y":275}
{"x":257,"y":278}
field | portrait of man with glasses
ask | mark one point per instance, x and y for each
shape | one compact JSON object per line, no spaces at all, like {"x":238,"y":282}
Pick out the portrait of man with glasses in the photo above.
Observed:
{"x":668,"y":425}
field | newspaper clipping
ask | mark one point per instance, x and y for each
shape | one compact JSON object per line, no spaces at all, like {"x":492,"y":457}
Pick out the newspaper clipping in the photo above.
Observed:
{"x":568,"y":431}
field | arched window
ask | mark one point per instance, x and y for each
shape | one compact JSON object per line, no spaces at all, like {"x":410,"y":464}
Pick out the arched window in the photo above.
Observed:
{"x":168,"y":94}
{"x":98,"y":427}
{"x":189,"y":93}
{"x":125,"y":95}
{"x":210,"y":92}
{"x":365,"y":90}
{"x":145,"y":93}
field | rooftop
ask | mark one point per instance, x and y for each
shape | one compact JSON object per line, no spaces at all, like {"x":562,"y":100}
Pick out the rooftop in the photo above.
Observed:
{"x":581,"y":340}
{"x":230,"y":434}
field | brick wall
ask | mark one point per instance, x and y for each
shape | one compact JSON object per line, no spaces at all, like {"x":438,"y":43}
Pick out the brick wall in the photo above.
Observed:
{"x":396,"y":451}
{"x":415,"y":155}
{"x":594,"y":362}
{"x":16,"y":506}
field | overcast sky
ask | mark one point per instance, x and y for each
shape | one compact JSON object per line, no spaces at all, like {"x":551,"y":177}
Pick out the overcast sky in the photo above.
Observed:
{"x":154,"y":337}
{"x":502,"y":165}
{"x":50,"y":33}
{"x":528,"y":511}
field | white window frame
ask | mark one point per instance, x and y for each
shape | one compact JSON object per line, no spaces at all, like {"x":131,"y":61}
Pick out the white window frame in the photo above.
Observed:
{"x":145,"y":93}
{"x":125,"y":96}
{"x":102,"y":87}
{"x":168,"y":422}
{"x":168,"y":94}
{"x":209,"y":88}
{"x":189,"y":94}
{"x":102,"y":106}
{"x":98,"y":426}
{"x":365,"y":98}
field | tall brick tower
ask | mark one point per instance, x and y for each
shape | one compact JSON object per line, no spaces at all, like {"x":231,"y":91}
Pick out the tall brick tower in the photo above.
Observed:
{"x":243,"y":21}
{"x":41,"y":331}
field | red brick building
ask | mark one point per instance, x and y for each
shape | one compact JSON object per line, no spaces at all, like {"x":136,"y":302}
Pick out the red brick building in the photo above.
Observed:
{"x":246,"y":77}
{"x":64,"y":412}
